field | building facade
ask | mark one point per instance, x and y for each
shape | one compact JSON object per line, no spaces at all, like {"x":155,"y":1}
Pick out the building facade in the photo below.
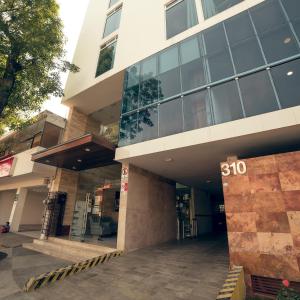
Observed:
{"x":191,"y":104}
{"x":23,"y":183}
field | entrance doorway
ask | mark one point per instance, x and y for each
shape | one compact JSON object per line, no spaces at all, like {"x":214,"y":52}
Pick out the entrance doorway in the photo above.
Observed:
{"x":96,"y":212}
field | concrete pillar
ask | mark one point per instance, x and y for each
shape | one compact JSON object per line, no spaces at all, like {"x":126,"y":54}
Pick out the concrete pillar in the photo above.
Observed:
{"x":147,"y":214}
{"x":17,"y":209}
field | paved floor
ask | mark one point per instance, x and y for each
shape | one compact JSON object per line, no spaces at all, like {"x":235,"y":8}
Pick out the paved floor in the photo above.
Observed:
{"x":190,"y":270}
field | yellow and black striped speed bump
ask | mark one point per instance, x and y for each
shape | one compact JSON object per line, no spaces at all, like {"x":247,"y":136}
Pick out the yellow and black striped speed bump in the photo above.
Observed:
{"x":230,"y":284}
{"x":60,"y":274}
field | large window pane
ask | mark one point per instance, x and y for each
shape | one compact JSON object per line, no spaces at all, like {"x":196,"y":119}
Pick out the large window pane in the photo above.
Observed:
{"x":213,"y":7}
{"x":218,"y":57}
{"x":292,"y":8}
{"x":112,"y":22}
{"x":258,"y":94}
{"x":287,"y":79}
{"x":226,"y":102}
{"x":106,"y":59}
{"x":149,"y":85}
{"x":148,"y":124}
{"x":196,"y":109}
{"x":169,"y":78}
{"x":170,"y":117}
{"x":180,"y":17}
{"x":215,"y":39}
{"x":128,"y":130}
{"x":279,"y":43}
{"x":192,"y":69}
{"x":220,"y":65}
{"x":242,"y":39}
{"x":267,"y":16}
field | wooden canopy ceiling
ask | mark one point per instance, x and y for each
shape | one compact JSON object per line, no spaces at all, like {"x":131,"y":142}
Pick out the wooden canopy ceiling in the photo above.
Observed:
{"x":86,"y":152}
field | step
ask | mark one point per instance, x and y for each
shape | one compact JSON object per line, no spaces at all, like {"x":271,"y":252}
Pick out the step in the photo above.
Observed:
{"x":67,"y":250}
{"x":81,"y":245}
{"x":48,"y":251}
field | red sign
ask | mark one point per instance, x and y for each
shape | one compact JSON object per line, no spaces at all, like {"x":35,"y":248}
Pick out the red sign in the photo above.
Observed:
{"x":5,"y":166}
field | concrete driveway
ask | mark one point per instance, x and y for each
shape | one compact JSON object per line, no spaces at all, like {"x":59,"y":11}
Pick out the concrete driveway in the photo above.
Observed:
{"x":188,"y":270}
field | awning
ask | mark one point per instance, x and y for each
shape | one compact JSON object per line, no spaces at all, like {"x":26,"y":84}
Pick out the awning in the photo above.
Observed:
{"x":86,"y":152}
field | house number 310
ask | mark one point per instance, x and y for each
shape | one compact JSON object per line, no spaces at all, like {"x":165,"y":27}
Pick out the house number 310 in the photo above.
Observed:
{"x":236,"y":168}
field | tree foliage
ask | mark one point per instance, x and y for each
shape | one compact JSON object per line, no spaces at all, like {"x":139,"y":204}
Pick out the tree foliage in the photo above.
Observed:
{"x":31,"y":58}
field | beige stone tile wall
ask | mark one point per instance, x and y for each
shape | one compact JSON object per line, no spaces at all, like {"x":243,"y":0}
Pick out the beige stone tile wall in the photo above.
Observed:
{"x":263,"y":216}
{"x":147,"y":214}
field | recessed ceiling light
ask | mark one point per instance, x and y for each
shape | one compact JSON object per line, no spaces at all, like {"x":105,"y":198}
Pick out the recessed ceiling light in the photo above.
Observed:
{"x":290,"y":73}
{"x":47,"y":161}
{"x":87,"y":149}
{"x":74,"y":168}
{"x":287,"y":40}
{"x":79,"y":160}
{"x":168,"y":159}
{"x":208,"y":181}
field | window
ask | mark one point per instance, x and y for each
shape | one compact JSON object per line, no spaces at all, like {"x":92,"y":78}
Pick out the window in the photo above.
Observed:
{"x":226,"y":102}
{"x":286,"y":79}
{"x":113,"y":2}
{"x":106,"y":58}
{"x":131,"y":91}
{"x":292,"y":8}
{"x":244,"y":45}
{"x":170,"y":117}
{"x":192,"y":68}
{"x":51,"y":135}
{"x":257,"y":94}
{"x":169,"y":73}
{"x":218,"y":56}
{"x":180,"y":15}
{"x":213,"y":7}
{"x":128,"y":130}
{"x":148,"y":123}
{"x":276,"y":36}
{"x":112,"y":22}
{"x":149,"y":83}
{"x":196,"y":109}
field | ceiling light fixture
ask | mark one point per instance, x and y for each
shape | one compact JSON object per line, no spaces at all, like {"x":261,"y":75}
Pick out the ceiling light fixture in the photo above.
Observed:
{"x":79,"y":160}
{"x":87,"y":149}
{"x":168,"y":159}
{"x":287,"y":40}
{"x":290,"y":73}
{"x":47,"y":161}
{"x":74,"y":168}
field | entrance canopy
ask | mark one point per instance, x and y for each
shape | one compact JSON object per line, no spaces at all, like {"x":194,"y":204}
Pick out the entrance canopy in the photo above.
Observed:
{"x":86,"y":152}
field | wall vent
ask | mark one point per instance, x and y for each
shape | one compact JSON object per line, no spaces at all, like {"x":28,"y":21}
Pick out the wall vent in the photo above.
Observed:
{"x":270,"y":286}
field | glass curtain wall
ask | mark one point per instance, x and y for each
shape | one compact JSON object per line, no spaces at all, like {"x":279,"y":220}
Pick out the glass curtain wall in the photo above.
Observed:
{"x":245,"y":66}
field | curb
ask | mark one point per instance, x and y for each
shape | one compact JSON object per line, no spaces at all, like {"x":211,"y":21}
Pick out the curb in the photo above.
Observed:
{"x":37,"y":282}
{"x":234,"y":286}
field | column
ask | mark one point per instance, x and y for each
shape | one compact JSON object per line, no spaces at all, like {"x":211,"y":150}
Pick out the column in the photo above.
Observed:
{"x":17,"y":209}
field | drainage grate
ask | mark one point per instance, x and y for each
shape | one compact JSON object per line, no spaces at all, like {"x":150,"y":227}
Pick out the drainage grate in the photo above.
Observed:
{"x":270,"y":286}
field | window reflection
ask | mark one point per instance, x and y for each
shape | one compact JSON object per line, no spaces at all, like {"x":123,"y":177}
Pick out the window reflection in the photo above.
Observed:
{"x":196,"y":108}
{"x":286,"y":79}
{"x":112,"y":22}
{"x":257,"y":94}
{"x":213,"y":7}
{"x":148,"y":124}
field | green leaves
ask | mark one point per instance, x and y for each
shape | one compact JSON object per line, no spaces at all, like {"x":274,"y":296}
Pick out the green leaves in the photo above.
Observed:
{"x":31,"y":57}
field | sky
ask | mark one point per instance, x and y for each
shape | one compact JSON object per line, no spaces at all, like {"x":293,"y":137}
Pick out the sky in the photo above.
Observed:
{"x":72,"y":13}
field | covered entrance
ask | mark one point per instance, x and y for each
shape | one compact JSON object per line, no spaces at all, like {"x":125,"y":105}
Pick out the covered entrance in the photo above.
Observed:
{"x":90,"y":183}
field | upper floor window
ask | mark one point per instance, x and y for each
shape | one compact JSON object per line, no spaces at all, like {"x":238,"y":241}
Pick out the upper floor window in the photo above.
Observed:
{"x":180,"y":15}
{"x":112,"y":2}
{"x":106,"y":57}
{"x":112,"y":21}
{"x":213,"y":7}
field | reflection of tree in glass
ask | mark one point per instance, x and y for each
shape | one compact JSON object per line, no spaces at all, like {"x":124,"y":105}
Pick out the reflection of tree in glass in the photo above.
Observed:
{"x":132,"y":125}
{"x":106,"y":58}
